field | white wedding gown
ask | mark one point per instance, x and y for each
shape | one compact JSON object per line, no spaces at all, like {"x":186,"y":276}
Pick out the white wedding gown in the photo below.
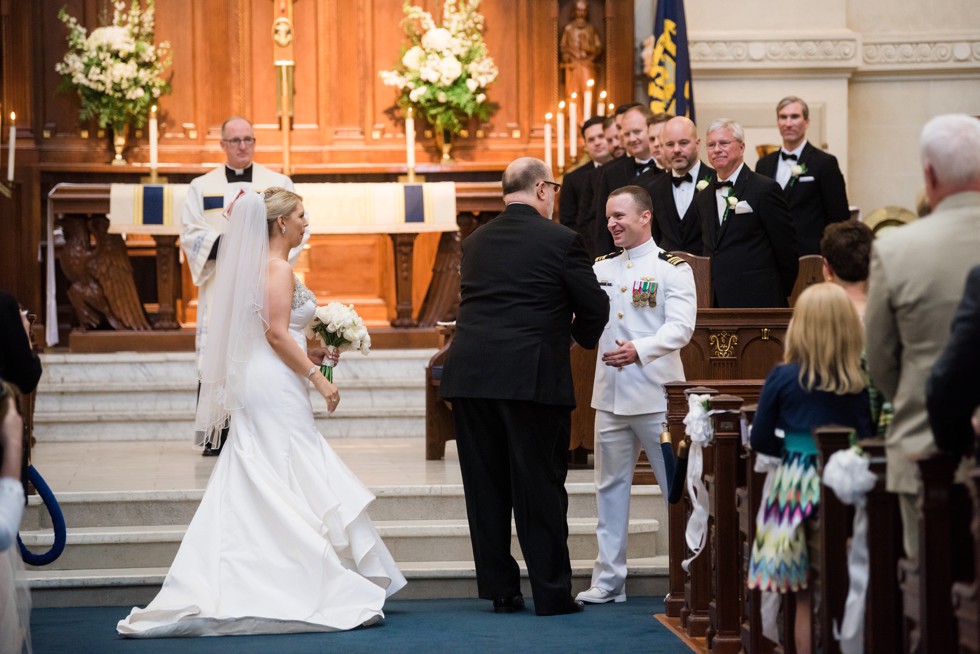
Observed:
{"x":281,"y":542}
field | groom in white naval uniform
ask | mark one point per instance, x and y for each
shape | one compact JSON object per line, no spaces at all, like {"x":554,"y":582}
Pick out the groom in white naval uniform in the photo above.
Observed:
{"x":652,"y":309}
{"x":203,"y":223}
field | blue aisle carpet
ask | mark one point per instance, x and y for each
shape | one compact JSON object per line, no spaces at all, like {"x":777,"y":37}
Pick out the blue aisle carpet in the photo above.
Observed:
{"x":430,"y":626}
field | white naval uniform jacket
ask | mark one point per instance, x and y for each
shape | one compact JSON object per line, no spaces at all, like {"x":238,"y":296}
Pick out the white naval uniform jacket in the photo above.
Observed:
{"x":657,"y":332}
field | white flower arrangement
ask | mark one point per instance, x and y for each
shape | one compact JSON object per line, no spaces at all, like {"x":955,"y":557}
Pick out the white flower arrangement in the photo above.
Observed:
{"x":703,"y":184}
{"x":339,"y":328}
{"x":444,"y":72}
{"x":116,"y":70}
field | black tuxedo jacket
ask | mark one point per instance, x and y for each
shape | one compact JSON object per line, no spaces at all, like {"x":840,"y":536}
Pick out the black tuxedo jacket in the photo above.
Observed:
{"x":615,"y":174}
{"x":526,"y":288}
{"x":576,"y":187}
{"x":754,"y":257}
{"x":669,"y":231}
{"x":816,"y":199}
{"x":953,"y":388}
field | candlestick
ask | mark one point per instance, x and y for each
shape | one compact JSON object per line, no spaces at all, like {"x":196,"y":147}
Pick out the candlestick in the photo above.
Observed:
{"x":601,"y":107}
{"x":547,"y":141}
{"x":410,"y":143}
{"x":587,"y":108}
{"x":612,"y":108}
{"x":153,"y":139}
{"x":13,"y":142}
{"x":561,"y":135}
{"x":573,"y":128}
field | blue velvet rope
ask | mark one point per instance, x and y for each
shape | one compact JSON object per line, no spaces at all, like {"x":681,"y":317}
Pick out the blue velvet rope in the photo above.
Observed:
{"x":57,"y":520}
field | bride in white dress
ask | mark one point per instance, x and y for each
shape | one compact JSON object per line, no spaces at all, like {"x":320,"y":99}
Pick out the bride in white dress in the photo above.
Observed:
{"x":281,"y":542}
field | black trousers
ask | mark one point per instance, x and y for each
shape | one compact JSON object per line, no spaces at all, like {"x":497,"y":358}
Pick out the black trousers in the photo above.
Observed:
{"x":514,"y":457}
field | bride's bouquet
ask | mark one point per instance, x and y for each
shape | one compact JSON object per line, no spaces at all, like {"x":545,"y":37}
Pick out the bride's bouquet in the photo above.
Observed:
{"x":340,"y":329}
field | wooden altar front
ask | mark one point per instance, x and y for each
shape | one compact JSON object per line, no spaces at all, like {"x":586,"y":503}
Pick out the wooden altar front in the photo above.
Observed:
{"x":474,"y":201}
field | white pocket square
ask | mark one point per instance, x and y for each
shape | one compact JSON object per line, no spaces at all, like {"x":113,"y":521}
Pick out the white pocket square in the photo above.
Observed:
{"x":743,"y":207}
{"x":807,"y":178}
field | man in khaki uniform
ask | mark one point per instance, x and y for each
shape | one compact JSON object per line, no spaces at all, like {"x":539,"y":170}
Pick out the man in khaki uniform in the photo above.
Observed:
{"x":917,"y":277}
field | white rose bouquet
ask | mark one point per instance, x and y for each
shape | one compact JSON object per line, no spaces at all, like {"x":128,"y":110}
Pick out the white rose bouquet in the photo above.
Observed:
{"x":340,"y":329}
{"x":444,"y":71}
{"x":116,"y":70}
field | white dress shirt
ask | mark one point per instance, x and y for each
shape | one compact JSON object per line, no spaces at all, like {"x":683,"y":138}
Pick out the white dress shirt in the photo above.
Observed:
{"x":784,"y":167}
{"x":684,"y":193}
{"x":720,"y":193}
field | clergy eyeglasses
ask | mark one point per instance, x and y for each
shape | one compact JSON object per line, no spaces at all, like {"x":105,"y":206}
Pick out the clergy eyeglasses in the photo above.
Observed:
{"x":248,"y":141}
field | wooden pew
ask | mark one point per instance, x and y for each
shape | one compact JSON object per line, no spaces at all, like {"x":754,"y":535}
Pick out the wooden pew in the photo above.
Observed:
{"x":945,"y":557}
{"x":883,"y":606}
{"x":439,"y":426}
{"x":965,"y":601}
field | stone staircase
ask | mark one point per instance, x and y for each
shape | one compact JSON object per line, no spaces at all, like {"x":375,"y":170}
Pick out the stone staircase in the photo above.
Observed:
{"x":151,"y":396}
{"x":120,"y":544}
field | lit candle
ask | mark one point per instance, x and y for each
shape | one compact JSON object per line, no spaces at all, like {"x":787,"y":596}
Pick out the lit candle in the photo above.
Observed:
{"x":410,"y":141}
{"x":547,"y":141}
{"x":573,"y":128}
{"x":561,"y":135}
{"x":587,"y":100}
{"x":13,"y":142}
{"x":612,"y":108}
{"x":600,"y":109}
{"x":153,"y":138}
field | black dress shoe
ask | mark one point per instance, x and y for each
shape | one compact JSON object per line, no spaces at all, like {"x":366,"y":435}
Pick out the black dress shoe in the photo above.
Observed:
{"x":511,"y":604}
{"x":210,"y":451}
{"x":575,"y":606}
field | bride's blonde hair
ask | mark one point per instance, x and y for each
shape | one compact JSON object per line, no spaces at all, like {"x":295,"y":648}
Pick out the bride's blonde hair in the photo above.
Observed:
{"x":278,"y":202}
{"x":825,"y":338}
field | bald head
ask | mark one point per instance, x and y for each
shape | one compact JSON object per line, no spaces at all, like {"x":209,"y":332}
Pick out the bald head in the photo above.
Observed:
{"x":680,"y":144}
{"x":529,"y":180}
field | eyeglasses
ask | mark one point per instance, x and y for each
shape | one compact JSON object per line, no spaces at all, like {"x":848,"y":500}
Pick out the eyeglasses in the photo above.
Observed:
{"x":554,"y":185}
{"x":249,"y":141}
{"x":724,"y":145}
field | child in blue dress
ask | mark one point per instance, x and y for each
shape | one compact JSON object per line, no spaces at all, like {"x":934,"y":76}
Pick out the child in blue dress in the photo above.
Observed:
{"x":820,"y":383}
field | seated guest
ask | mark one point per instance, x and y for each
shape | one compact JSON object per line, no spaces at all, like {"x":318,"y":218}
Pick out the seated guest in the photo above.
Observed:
{"x":676,"y":222}
{"x":811,"y":179}
{"x":820,"y":383}
{"x":745,"y":227}
{"x":577,"y":184}
{"x":846,"y":250}
{"x":19,"y":364}
{"x":953,"y":388}
{"x":15,"y":599}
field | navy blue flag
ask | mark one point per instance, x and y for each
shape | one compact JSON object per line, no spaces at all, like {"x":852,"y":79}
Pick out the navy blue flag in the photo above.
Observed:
{"x":670,"y":64}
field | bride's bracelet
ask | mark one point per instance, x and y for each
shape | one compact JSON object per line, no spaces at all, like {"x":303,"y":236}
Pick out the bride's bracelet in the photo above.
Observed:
{"x":313,"y":371}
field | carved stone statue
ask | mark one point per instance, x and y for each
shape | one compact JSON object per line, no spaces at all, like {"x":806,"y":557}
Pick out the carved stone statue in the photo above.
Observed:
{"x":580,"y":46}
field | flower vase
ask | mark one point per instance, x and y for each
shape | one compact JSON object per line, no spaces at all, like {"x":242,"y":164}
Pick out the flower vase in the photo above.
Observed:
{"x":444,"y":139}
{"x":119,"y":134}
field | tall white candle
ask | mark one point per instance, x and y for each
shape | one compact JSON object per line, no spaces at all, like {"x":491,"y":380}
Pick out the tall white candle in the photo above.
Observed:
{"x":410,"y":139}
{"x":547,"y":141}
{"x":561,"y":135}
{"x":573,"y":128}
{"x":587,"y":101}
{"x":153,"y":138}
{"x":600,"y":109}
{"x":611,"y":107}
{"x":13,"y":142}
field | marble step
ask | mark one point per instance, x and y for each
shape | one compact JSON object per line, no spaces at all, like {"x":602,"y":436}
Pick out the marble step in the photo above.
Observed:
{"x":178,"y":425}
{"x":126,"y":587}
{"x":171,"y":395}
{"x":177,"y":507}
{"x":407,"y":540}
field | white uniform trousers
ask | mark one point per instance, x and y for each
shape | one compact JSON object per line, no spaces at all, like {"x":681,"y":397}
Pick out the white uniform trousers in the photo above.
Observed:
{"x":617,"y":447}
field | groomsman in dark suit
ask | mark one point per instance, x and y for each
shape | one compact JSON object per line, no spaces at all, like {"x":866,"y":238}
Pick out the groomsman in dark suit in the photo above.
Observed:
{"x":577,"y":184}
{"x":621,"y":172}
{"x":611,"y":130}
{"x":676,"y":223}
{"x":811,"y":179}
{"x":526,"y":290}
{"x":746,"y":227}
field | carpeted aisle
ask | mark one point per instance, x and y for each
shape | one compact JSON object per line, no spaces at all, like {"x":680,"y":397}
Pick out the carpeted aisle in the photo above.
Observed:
{"x":430,"y":626}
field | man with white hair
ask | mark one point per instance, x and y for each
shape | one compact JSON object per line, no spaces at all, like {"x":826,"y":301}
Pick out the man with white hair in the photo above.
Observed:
{"x":916,"y":280}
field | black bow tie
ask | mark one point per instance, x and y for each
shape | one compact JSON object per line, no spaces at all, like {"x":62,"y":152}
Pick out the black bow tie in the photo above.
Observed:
{"x":686,"y":177}
{"x":787,"y":155}
{"x":719,"y":185}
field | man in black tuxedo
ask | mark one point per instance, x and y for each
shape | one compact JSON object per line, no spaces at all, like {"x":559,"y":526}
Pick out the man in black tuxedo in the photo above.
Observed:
{"x":746,"y":228}
{"x":527,"y":289}
{"x":578,"y":183}
{"x":621,"y":172}
{"x":676,"y":223}
{"x":811,"y":179}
